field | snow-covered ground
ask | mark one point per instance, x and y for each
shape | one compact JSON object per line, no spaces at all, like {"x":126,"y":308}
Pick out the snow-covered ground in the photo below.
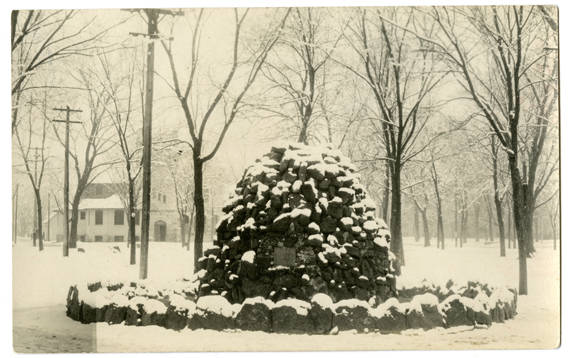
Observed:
{"x":41,"y":282}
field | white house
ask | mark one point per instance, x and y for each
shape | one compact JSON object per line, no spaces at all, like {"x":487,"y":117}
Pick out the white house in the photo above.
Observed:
{"x":103,"y":218}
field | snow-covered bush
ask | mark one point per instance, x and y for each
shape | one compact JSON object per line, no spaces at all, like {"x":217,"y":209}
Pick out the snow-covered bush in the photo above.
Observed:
{"x":137,"y":303}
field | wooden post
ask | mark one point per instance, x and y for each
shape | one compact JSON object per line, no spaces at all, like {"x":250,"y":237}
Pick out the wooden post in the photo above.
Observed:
{"x":147,"y":144}
{"x":67,"y":122}
{"x":152,"y":16}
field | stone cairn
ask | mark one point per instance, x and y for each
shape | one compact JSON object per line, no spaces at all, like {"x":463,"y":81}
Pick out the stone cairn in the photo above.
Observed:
{"x":299,"y":223}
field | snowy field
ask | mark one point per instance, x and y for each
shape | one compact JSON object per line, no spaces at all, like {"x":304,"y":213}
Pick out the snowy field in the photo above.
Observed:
{"x":41,"y":282}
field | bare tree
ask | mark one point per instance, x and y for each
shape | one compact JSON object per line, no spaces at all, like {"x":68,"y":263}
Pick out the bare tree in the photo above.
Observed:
{"x":441,"y":240}
{"x":34,"y":157}
{"x":88,"y":162}
{"x":40,"y":38}
{"x":401,"y":78}
{"x":229,"y":107}
{"x":121,"y":110}
{"x":297,"y":69}
{"x":509,"y":37}
{"x":498,"y":195}
{"x":179,"y":168}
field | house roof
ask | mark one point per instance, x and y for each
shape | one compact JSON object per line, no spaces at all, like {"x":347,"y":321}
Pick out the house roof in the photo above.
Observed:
{"x":112,"y":202}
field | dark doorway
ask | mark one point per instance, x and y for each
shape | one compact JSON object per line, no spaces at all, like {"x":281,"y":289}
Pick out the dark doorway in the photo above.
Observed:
{"x":160,"y":228}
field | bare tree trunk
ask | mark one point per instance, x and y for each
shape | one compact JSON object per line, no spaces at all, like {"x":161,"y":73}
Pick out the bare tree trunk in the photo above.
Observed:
{"x":199,"y":208}
{"x":498,"y":201}
{"x":441,"y":237}
{"x":520,"y":213}
{"x":386,"y":193}
{"x":74,"y":222}
{"x":303,"y":136}
{"x":396,"y":229}
{"x":191,"y":219}
{"x":464,"y":219}
{"x":416,"y":223}
{"x":440,"y":240}
{"x":34,"y":231}
{"x":490,"y":219}
{"x":440,"y":223}
{"x":465,"y":215}
{"x":426,"y":229}
{"x":501,"y":224}
{"x":132,"y":222}
{"x":39,"y":223}
{"x":456,"y":212}
{"x":182,"y":229}
{"x":514,"y":237}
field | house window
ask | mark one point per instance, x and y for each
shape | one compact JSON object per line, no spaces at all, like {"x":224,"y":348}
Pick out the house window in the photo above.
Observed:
{"x":119,"y":217}
{"x":83,"y":214}
{"x":118,"y":238}
{"x":98,"y":238}
{"x":137,"y":238}
{"x":159,"y":197}
{"x":164,"y":198}
{"x":137,"y":218}
{"x":82,"y":238}
{"x":98,"y":217}
{"x":98,"y":190}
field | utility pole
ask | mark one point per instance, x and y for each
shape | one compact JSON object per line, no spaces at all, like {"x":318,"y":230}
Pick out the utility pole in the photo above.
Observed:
{"x":152,"y":17}
{"x":67,"y":122}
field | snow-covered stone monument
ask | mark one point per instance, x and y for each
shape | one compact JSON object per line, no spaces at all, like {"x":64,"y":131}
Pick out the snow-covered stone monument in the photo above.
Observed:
{"x":299,"y":223}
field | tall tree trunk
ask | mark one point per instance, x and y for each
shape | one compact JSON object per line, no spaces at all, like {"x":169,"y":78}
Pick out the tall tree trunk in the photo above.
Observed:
{"x":456,"y":212}
{"x":441,"y":232}
{"x":440,"y":241}
{"x":395,"y":223}
{"x":514,"y":237}
{"x":39,"y":231}
{"x":132,"y":223}
{"x":530,"y":249}
{"x":303,"y":136}
{"x":498,"y":206}
{"x":74,"y":222}
{"x":191,"y":219}
{"x":440,"y":224}
{"x":182,"y":229}
{"x":490,"y":219}
{"x":34,"y":231}
{"x":416,"y":223}
{"x":501,"y":224}
{"x":199,"y":208}
{"x":426,"y":229}
{"x":520,"y":214}
{"x":386,"y":194}
{"x":464,"y":217}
